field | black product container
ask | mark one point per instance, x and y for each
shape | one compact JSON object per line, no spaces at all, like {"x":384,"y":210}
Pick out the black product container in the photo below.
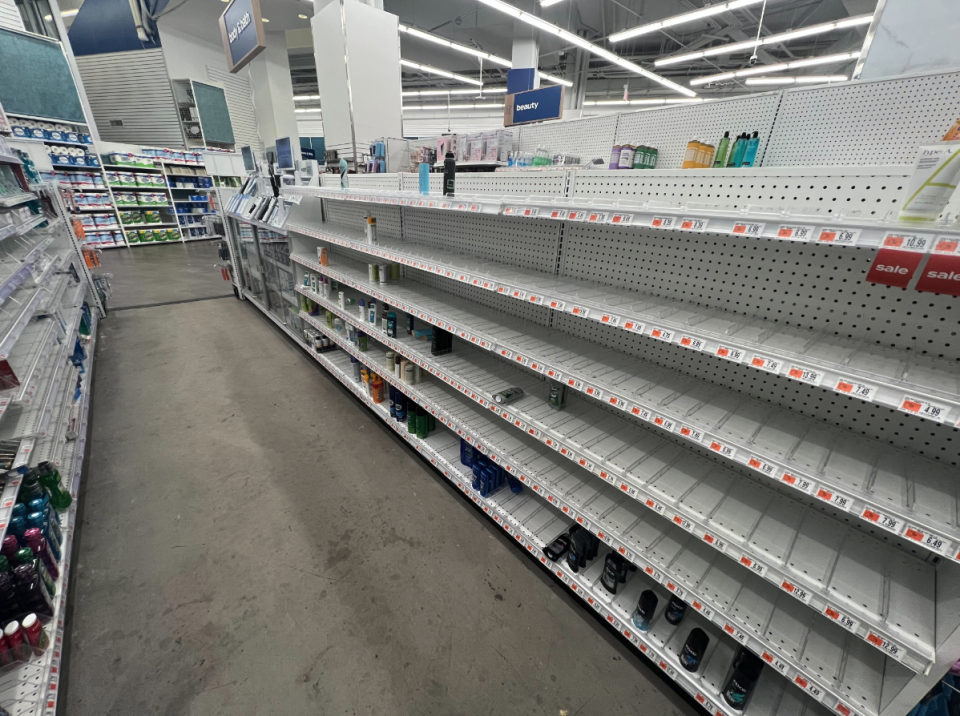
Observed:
{"x":442,"y":342}
{"x":646,"y":608}
{"x":675,"y":610}
{"x":693,"y":649}
{"x":449,"y":174}
{"x":614,"y":572}
{"x":739,"y":685}
{"x":556,"y":549}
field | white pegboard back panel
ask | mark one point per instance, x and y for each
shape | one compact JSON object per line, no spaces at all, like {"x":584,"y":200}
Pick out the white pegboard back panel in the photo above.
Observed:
{"x":363,"y":181}
{"x":518,"y":183}
{"x":856,"y":123}
{"x":530,"y":244}
{"x":669,"y":129}
{"x":351,"y":216}
{"x":411,"y":182}
{"x":805,"y":285}
{"x":875,"y":192}
{"x":585,"y":138}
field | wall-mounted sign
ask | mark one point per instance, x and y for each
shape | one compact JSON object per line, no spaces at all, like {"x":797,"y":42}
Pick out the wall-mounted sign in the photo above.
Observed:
{"x":536,"y":105}
{"x":242,"y":29}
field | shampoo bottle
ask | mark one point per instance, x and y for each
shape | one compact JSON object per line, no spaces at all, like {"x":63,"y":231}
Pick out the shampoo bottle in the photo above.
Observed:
{"x":721,"y":158}
{"x":750,"y":153}
{"x":737,"y":150}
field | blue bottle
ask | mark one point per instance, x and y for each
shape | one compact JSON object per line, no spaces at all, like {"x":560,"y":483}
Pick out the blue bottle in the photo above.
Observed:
{"x":400,"y":402}
{"x":487,"y":484}
{"x":477,"y":470}
{"x":18,"y":525}
{"x":739,"y":149}
{"x":466,"y":453}
{"x":49,"y":514}
{"x":424,"y":178}
{"x":750,"y":153}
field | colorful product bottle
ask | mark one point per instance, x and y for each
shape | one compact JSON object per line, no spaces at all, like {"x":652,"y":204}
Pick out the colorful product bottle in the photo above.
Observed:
{"x":750,"y":153}
{"x":49,"y":477}
{"x":35,"y":634}
{"x":722,"y":148}
{"x":424,"y":178}
{"x":736,"y":152}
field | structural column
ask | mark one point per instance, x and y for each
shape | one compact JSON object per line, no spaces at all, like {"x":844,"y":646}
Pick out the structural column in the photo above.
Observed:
{"x":273,"y":93}
{"x":357,"y":51}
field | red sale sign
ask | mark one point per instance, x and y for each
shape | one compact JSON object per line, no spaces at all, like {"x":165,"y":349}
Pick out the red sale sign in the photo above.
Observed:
{"x":941,"y":275}
{"x":894,"y":268}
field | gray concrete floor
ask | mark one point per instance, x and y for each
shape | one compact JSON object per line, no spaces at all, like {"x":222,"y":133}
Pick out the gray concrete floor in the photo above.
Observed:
{"x":254,"y":542}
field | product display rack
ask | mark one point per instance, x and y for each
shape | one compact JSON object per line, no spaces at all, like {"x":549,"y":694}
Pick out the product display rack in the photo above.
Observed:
{"x":694,"y":494}
{"x":661,"y":644}
{"x":98,"y":168}
{"x":41,"y":304}
{"x":748,"y":417}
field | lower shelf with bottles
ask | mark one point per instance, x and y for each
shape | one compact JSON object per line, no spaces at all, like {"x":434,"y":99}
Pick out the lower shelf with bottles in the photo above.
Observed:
{"x":535,"y":524}
{"x":32,"y":688}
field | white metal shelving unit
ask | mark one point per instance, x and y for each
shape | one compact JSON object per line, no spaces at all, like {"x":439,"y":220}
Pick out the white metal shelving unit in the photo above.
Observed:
{"x":750,"y":422}
{"x":40,"y":314}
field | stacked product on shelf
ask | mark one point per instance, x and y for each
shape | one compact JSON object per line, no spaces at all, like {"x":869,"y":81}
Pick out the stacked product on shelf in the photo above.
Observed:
{"x":145,"y":205}
{"x":70,"y":150}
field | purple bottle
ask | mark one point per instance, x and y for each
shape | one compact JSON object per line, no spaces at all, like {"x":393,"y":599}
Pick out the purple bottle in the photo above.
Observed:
{"x":38,"y":544}
{"x":31,"y":591}
{"x":9,"y":549}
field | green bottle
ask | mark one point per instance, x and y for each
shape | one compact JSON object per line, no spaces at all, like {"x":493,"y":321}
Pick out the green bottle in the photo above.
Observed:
{"x":421,"y":423}
{"x":49,"y":477}
{"x":721,"y":157}
{"x":411,"y":420}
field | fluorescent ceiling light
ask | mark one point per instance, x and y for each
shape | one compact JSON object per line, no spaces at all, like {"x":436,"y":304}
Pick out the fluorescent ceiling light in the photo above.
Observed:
{"x":805,"y":80}
{"x":600,"y":102}
{"x":442,"y":73}
{"x":308,"y":110}
{"x":71,"y":13}
{"x":481,"y":105}
{"x":825,"y":60}
{"x":305,"y":97}
{"x":441,"y":93}
{"x":580,"y":42}
{"x":732,"y":47}
{"x":476,"y":53}
{"x":681,"y":19}
{"x":303,"y":17}
{"x":264,"y":19}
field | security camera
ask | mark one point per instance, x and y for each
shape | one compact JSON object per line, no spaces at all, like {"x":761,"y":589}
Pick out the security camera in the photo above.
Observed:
{"x":753,"y":60}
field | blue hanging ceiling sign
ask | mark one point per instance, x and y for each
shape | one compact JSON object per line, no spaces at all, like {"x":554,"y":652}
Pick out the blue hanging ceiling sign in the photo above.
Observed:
{"x":537,"y":105}
{"x":241,"y":27}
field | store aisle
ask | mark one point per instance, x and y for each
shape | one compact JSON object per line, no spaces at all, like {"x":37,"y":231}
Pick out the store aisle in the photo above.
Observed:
{"x":146,"y":275}
{"x":254,"y":542}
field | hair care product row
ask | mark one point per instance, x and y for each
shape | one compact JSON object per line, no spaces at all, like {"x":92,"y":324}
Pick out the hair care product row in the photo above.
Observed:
{"x":633,"y":156}
{"x":742,"y":152}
